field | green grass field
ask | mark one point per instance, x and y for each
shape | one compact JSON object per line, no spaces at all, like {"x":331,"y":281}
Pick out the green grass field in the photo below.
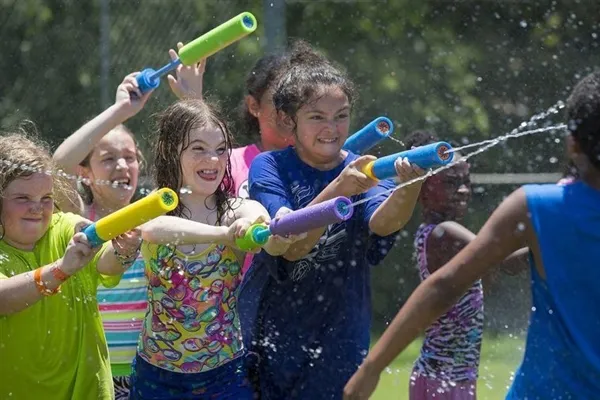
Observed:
{"x":500,"y":357}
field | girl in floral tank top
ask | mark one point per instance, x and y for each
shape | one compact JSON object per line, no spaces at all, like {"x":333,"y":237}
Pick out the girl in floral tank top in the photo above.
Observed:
{"x":191,"y":345}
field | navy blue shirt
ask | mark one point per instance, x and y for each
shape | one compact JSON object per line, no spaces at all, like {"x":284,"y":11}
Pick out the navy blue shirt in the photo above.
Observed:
{"x":309,"y":320}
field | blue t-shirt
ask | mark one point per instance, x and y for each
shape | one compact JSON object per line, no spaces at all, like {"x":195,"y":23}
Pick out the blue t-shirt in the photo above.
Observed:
{"x":309,"y":320}
{"x":562,"y":354}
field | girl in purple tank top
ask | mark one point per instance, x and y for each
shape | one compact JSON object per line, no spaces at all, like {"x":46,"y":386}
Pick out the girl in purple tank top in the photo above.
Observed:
{"x":447,"y":368}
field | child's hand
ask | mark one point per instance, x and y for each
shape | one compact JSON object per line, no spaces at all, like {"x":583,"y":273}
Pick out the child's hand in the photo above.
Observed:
{"x":78,"y":253}
{"x":352,"y":180}
{"x":82,"y":224}
{"x":361,"y":385}
{"x":188,"y":84}
{"x":238,"y":229}
{"x":407,"y":171}
{"x":129,"y":98}
{"x":278,"y":245}
{"x":128,"y":244}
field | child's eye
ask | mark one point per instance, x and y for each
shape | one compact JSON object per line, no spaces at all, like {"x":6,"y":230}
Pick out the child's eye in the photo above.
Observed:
{"x":221,"y":151}
{"x":108,"y":159}
{"x":130,"y":159}
{"x":47,"y":198}
{"x":316,"y":117}
{"x":198,"y":148}
{"x":342,"y":116}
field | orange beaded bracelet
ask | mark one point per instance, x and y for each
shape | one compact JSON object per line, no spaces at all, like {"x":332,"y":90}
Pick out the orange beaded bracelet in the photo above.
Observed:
{"x":41,"y":286}
{"x":59,"y":274}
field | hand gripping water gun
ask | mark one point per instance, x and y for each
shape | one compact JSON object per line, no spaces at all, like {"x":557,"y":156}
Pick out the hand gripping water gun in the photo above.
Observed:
{"x":202,"y":47}
{"x":154,"y":205}
{"x":428,"y":156}
{"x":306,"y":219}
{"x":373,"y":133}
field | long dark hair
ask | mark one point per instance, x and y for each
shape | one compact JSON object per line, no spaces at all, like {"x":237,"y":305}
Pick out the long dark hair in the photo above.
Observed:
{"x":173,"y":137}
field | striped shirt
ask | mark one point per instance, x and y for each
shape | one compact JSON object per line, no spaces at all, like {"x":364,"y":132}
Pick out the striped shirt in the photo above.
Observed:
{"x":452,"y":344}
{"x":123,"y":309}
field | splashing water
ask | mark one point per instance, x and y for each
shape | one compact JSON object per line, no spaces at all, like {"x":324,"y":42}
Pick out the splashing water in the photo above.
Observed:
{"x":488,"y":145}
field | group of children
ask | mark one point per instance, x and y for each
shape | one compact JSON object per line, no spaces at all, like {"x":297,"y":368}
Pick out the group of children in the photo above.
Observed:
{"x":184,"y":314}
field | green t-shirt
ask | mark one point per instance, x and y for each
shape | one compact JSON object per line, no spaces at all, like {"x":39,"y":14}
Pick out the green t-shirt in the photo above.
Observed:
{"x":56,"y":348}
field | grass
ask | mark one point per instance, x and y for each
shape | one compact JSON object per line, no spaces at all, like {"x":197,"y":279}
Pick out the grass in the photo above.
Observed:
{"x":500,"y":357}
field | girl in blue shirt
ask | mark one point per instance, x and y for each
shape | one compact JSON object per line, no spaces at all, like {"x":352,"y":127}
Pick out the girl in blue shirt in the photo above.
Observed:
{"x":307,"y":313}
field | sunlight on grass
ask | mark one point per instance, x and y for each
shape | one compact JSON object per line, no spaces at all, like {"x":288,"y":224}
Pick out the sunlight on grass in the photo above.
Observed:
{"x":499,"y":359}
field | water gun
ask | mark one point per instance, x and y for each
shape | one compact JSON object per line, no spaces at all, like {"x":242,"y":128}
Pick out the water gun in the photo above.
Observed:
{"x":377,"y":130}
{"x":204,"y":46}
{"x":428,"y":156}
{"x":300,"y":221}
{"x":135,"y":214}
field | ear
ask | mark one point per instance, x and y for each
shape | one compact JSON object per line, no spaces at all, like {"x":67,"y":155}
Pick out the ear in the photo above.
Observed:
{"x":84,"y":172}
{"x":252,"y":105}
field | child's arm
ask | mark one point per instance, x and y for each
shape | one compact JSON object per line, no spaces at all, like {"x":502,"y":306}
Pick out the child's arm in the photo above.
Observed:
{"x":188,"y":84}
{"x":506,"y":231}
{"x":180,"y":231}
{"x":252,"y":210}
{"x":449,"y":238}
{"x":20,"y":291}
{"x":349,"y":183}
{"x":398,"y":208}
{"x":76,"y":147}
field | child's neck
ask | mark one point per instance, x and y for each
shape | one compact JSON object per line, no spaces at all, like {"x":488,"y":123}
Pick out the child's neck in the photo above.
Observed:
{"x":591,"y":178}
{"x":201,"y":208}
{"x":100,"y":208}
{"x":19,"y":245}
{"x":319,"y":164}
{"x":434,"y":218}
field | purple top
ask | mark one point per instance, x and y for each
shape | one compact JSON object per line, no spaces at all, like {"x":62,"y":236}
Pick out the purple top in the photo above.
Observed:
{"x":452,"y":344}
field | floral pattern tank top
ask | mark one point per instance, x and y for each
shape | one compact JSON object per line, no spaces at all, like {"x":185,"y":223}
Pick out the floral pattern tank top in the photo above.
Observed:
{"x":192,"y":324}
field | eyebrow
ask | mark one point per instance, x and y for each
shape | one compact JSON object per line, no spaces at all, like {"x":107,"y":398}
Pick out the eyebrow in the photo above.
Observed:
{"x":204,"y":143}
{"x":314,"y":110}
{"x":27,"y":194}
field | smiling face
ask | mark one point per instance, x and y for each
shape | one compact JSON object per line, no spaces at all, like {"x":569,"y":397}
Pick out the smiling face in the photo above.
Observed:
{"x":114,"y":159}
{"x":27,"y":208}
{"x":322,"y":127}
{"x":204,"y":160}
{"x":447,"y":193}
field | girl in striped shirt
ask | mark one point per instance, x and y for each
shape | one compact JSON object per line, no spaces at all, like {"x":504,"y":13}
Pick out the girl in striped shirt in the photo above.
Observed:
{"x":105,"y":150}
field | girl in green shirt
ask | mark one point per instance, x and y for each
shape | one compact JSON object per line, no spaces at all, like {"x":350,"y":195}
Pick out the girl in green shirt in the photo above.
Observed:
{"x":52,"y":345}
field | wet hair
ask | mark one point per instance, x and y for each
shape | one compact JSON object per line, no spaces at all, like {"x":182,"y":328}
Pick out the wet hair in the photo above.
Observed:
{"x":420,"y":138}
{"x":23,"y":153}
{"x":310,"y":72}
{"x":173,"y":137}
{"x":264,"y":76}
{"x":583,"y":116}
{"x":87,"y":195}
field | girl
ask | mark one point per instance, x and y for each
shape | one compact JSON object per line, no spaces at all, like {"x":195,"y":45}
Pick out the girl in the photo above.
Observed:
{"x":191,"y":346}
{"x":52,"y":345}
{"x":105,"y":150}
{"x":259,"y":116}
{"x":307,"y":312}
{"x":560,"y":226}
{"x":448,"y":365}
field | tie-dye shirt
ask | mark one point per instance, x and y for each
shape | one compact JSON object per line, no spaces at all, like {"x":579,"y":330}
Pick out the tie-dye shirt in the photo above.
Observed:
{"x":192,"y":324}
{"x":452,"y":345}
